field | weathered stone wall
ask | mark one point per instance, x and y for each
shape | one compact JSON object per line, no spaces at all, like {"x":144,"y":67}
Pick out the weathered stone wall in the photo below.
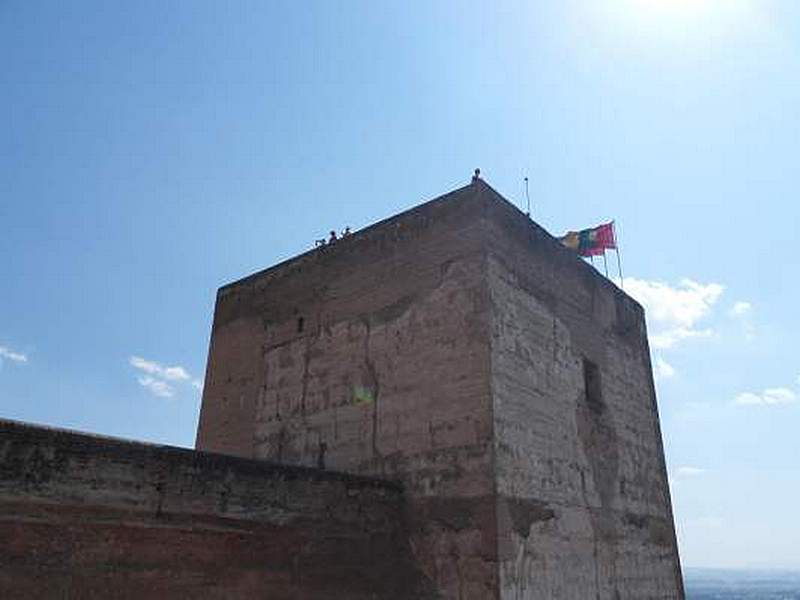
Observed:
{"x":89,"y":517}
{"x":445,"y":347}
{"x":371,"y":356}
{"x":583,"y":502}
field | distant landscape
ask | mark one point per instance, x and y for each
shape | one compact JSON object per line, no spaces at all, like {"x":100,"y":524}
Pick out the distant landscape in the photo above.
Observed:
{"x":718,"y":584}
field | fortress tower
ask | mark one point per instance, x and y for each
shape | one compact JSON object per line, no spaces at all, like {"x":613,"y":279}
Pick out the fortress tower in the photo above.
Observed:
{"x":460,"y":349}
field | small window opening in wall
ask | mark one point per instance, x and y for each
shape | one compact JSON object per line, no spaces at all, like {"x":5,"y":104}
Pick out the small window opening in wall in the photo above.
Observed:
{"x":592,"y":385}
{"x":300,"y":324}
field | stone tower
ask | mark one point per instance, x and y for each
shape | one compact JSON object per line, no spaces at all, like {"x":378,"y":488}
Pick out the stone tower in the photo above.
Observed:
{"x":459,"y":348}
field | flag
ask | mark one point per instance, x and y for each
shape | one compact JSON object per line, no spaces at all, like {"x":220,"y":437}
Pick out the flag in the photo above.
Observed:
{"x":591,"y":242}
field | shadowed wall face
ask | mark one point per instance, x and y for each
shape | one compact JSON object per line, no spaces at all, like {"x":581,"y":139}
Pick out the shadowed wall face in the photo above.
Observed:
{"x":86,"y":517}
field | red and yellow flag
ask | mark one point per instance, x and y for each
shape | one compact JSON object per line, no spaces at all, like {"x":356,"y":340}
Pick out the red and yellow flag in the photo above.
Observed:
{"x":591,"y":242}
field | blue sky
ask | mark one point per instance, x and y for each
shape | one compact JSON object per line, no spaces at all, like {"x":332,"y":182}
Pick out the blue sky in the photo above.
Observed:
{"x":151,"y":152}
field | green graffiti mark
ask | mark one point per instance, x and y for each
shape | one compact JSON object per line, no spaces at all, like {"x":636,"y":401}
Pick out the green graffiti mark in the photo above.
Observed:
{"x":362,"y":395}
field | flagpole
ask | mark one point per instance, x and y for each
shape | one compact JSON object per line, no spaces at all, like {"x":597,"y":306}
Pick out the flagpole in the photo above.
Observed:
{"x":619,"y":262}
{"x":605,"y":262}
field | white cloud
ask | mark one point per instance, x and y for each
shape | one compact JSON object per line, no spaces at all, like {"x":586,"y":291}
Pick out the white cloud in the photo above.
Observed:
{"x":748,"y":398}
{"x":689,"y":471}
{"x":769,"y":396}
{"x":159,"y":388}
{"x":779,"y":396}
{"x":740,"y":309}
{"x":741,"y":312}
{"x":8,"y":353}
{"x":680,"y":306}
{"x":673,"y":312}
{"x":663,"y":369}
{"x":159,"y":379}
{"x":175,"y":373}
{"x":145,"y":365}
{"x":197,"y":384}
{"x":670,"y":337}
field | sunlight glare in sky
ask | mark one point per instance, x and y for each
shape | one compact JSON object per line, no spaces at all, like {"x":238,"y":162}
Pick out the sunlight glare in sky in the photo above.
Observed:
{"x":682,"y":22}
{"x":672,"y":8}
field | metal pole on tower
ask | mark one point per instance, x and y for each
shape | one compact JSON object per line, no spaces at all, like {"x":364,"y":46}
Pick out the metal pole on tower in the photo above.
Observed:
{"x":527,"y":198}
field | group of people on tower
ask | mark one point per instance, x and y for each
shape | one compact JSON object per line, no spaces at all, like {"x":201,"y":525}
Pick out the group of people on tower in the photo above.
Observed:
{"x":333,"y":237}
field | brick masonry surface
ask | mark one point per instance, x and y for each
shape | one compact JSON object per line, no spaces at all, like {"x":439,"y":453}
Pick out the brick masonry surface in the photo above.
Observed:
{"x":89,"y":517}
